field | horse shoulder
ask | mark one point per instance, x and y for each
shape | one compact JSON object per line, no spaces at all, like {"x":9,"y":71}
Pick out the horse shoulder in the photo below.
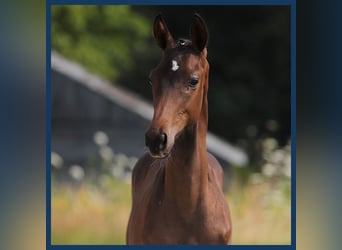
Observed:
{"x":220,"y":219}
{"x":215,"y":169}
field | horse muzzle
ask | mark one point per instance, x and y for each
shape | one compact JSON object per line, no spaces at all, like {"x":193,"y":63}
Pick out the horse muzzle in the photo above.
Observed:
{"x":157,"y":142}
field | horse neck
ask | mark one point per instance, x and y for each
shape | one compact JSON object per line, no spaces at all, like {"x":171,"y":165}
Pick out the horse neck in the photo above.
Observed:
{"x":186,"y":176}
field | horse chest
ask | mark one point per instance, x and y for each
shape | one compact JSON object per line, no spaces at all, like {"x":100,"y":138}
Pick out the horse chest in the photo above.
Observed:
{"x":157,"y":220}
{"x":168,"y":227}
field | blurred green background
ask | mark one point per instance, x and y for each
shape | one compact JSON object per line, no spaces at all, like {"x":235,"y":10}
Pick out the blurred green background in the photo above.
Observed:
{"x":249,"y":93}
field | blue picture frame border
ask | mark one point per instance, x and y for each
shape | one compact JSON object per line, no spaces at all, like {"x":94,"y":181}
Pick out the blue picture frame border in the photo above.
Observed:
{"x":290,"y":3}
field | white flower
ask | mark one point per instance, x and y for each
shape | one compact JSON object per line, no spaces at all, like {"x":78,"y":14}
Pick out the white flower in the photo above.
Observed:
{"x":287,"y":166}
{"x":101,"y":138}
{"x":269,"y":169}
{"x":120,"y":160}
{"x":117,"y":171}
{"x":272,"y":125}
{"x":269,"y":144}
{"x":76,"y":172}
{"x":106,"y":153}
{"x":56,"y":160}
{"x":278,"y":156}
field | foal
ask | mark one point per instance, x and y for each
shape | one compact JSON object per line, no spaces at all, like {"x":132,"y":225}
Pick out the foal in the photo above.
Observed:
{"x":177,"y":186}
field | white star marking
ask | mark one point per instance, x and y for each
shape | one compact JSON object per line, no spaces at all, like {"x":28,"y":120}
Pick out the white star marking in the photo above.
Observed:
{"x":175,"y":65}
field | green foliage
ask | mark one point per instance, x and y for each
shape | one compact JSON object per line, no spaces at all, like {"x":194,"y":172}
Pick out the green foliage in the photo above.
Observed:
{"x":104,"y":39}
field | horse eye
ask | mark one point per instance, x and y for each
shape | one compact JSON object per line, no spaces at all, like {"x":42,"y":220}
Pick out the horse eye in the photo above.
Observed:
{"x":150,"y":82}
{"x":193,"y":81}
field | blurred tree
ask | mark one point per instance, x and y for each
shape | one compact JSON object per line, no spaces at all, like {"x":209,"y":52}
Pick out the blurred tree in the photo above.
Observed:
{"x":105,"y":39}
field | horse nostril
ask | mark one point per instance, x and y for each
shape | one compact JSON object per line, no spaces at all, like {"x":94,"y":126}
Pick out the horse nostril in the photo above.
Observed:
{"x":147,"y":140}
{"x":163,"y":141}
{"x":155,"y":140}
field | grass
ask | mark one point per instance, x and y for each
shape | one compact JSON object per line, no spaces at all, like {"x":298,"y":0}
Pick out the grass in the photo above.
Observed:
{"x":90,"y":215}
{"x":261,"y":213}
{"x":98,"y":214}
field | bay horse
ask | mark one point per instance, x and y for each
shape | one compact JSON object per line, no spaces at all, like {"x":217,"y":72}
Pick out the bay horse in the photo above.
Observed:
{"x":177,"y":186}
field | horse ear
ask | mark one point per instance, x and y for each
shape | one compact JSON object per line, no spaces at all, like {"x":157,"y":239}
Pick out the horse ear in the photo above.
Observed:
{"x":162,"y":34}
{"x":199,"y":33}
